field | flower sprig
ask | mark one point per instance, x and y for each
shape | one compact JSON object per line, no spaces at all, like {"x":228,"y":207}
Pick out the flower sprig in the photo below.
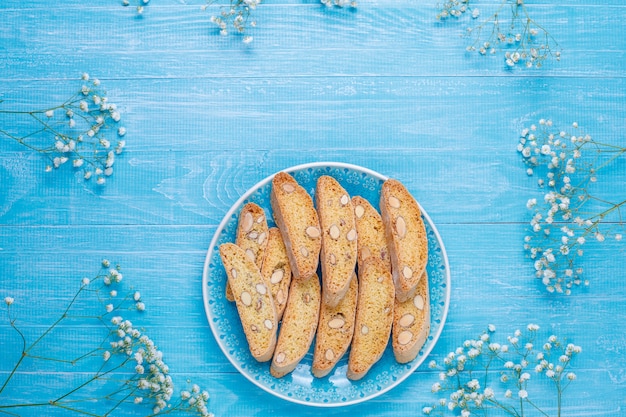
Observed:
{"x":568,"y":164}
{"x":76,"y":132}
{"x":123,"y":350}
{"x":485,"y":374}
{"x":235,"y":16}
{"x":509,"y":28}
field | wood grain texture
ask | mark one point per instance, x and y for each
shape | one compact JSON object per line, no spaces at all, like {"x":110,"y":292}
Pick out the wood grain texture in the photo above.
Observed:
{"x":384,"y":86}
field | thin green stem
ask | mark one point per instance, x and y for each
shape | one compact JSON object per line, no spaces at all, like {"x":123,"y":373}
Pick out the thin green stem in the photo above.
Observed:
{"x":59,"y":320}
{"x":73,"y":409}
{"x":537,"y":408}
{"x":98,"y":375}
{"x":22,"y":356}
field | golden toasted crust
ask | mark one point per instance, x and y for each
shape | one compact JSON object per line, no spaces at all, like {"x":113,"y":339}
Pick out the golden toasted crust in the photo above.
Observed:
{"x":252,"y":234}
{"x":371,"y":232}
{"x":297,"y":219}
{"x":253,"y":299}
{"x":374,"y":317}
{"x":298,"y":326}
{"x":339,"y":238}
{"x":334,"y":331}
{"x":411,"y":323}
{"x":276,"y":270}
{"x":406,"y":237}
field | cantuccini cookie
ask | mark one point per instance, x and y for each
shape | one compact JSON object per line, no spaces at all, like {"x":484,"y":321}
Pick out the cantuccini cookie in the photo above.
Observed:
{"x":339,"y":238}
{"x":411,"y":323}
{"x":297,"y":219}
{"x":252,"y":236}
{"x":371,"y":232}
{"x":276,"y":270}
{"x":298,"y":325}
{"x":374,"y":317}
{"x":334,"y":331}
{"x":406,"y":237}
{"x":253,"y":300}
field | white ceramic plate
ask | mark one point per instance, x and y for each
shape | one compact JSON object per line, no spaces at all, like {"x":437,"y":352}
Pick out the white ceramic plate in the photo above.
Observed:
{"x":301,"y":386}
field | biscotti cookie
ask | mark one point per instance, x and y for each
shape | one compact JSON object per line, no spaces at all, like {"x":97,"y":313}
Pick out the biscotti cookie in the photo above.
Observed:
{"x":252,"y":233}
{"x":334,"y":331}
{"x":276,"y":270}
{"x":298,"y":326}
{"x":371,"y":232}
{"x":406,"y":237}
{"x":374,"y":317}
{"x":297,"y":219}
{"x":253,"y":299}
{"x":411,"y":323}
{"x":339,"y":238}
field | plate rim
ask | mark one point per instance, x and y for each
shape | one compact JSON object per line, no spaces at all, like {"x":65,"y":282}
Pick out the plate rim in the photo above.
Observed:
{"x":209,"y":315}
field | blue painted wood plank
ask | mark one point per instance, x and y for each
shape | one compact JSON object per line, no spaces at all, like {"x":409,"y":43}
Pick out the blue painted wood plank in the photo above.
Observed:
{"x":115,"y":45}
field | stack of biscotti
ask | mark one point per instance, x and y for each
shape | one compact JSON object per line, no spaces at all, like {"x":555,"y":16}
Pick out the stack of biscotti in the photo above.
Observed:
{"x":408,"y":336}
{"x":406,"y":237}
{"x":341,"y":235}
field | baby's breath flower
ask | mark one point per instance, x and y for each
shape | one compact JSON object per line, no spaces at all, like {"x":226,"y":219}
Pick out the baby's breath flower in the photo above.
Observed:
{"x":140,"y":371}
{"x":558,"y":230}
{"x":77,"y":132}
{"x":510,"y":28}
{"x":463,"y":384}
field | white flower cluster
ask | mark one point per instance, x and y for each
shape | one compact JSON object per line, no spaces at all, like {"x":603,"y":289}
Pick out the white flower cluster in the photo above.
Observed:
{"x":195,"y":401}
{"x":559,"y":226}
{"x":465,"y":372}
{"x":76,"y":132}
{"x":151,"y":380}
{"x":509,"y":27}
{"x":132,"y":364}
{"x":340,"y":3}
{"x":85,"y":143}
{"x":152,"y":374}
{"x":235,"y":16}
{"x":455,"y":8}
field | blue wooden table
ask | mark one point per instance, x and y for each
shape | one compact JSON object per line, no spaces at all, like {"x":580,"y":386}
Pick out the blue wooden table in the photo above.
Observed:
{"x":385,"y":86}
